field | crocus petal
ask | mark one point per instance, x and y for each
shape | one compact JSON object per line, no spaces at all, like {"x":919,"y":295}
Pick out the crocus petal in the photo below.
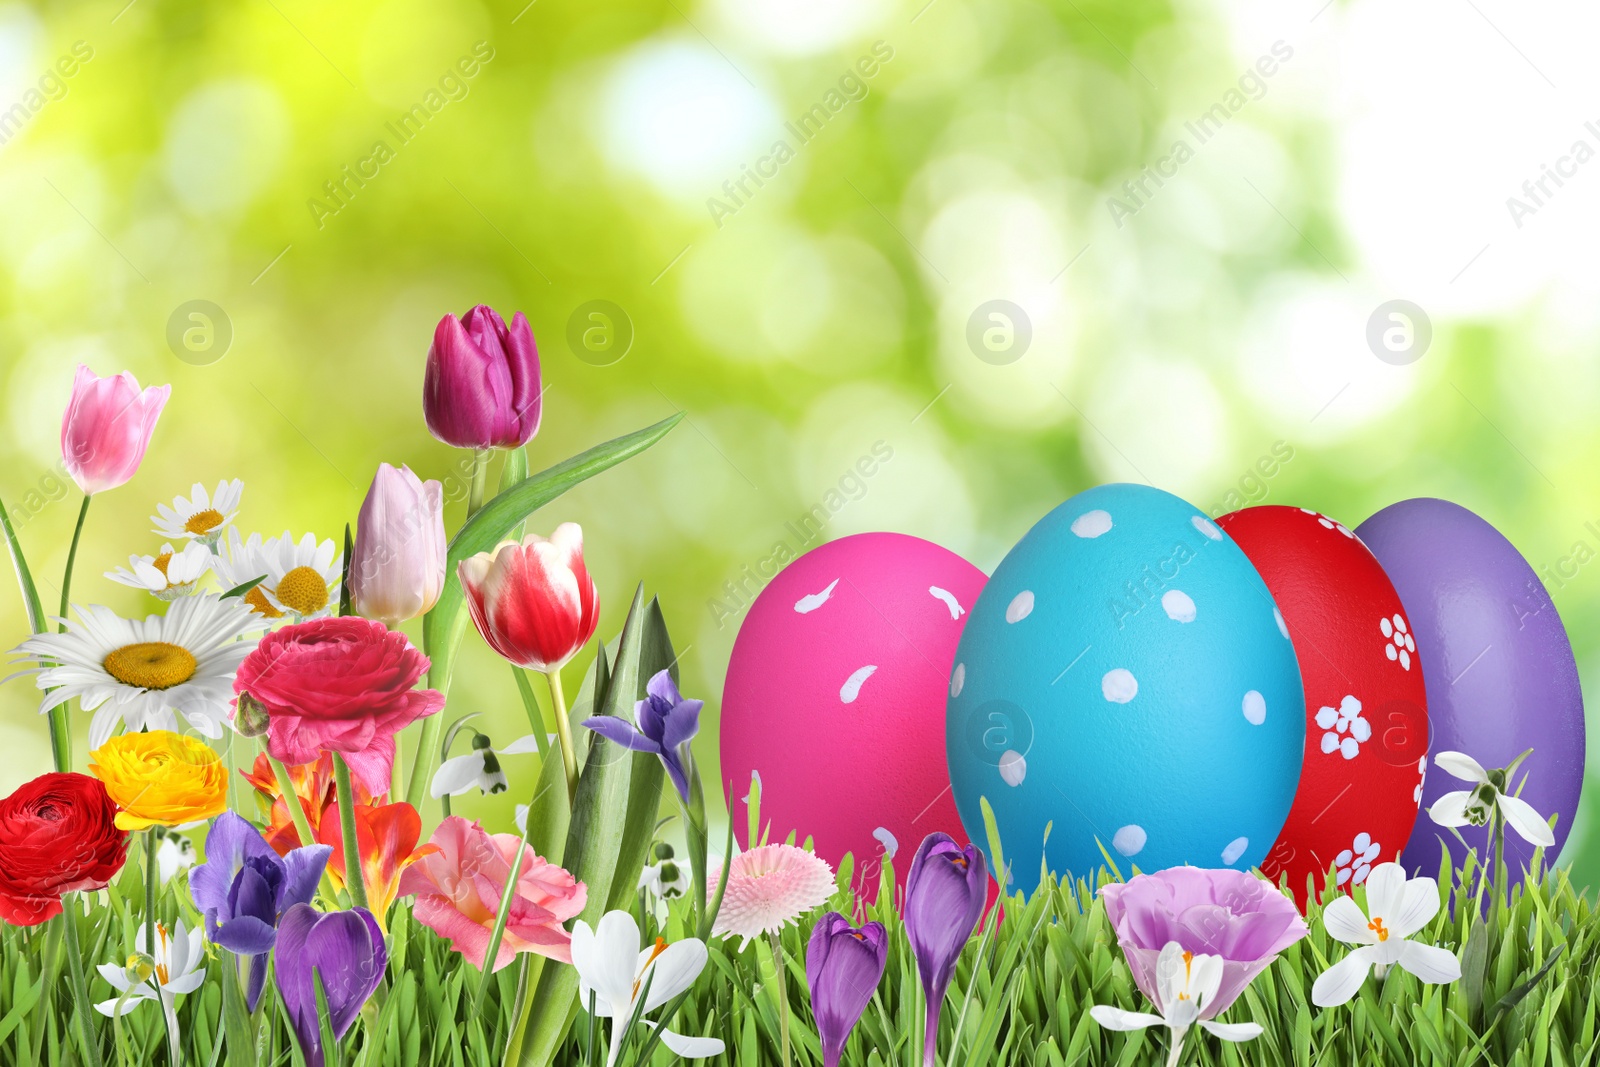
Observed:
{"x":1386,"y":887}
{"x":245,"y":935}
{"x":1429,"y":963}
{"x":1231,"y":1031}
{"x":303,"y":870}
{"x":607,"y":957}
{"x":674,"y":970}
{"x":1418,"y":904}
{"x":1526,"y":821}
{"x":1461,"y":765}
{"x":1344,"y":921}
{"x":1343,"y":980}
{"x":1117,"y":1019}
{"x":690,"y":1048}
{"x":1451,"y":809}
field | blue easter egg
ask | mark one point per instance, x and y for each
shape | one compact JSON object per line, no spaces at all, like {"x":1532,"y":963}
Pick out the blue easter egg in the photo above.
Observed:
{"x":1126,"y":680}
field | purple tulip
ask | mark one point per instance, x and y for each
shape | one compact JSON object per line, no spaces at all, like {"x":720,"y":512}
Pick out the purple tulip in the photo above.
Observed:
{"x":843,"y":966}
{"x":481,"y":388}
{"x":1232,"y":914}
{"x":666,"y":723}
{"x":344,"y":948}
{"x":945,"y":892}
{"x":244,"y":888}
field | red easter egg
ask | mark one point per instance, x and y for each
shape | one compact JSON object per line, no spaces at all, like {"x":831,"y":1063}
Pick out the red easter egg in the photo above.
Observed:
{"x":1366,"y":706}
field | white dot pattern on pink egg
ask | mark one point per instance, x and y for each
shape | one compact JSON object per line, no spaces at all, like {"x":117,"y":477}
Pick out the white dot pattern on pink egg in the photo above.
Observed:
{"x":958,"y":678}
{"x":812,"y":601}
{"x":852,"y":685}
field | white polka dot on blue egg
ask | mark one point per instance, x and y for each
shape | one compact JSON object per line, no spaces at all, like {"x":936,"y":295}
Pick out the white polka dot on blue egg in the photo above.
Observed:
{"x":1124,"y":679}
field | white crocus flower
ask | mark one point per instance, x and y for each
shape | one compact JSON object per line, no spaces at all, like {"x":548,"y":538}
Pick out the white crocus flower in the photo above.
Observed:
{"x":1472,"y":807}
{"x":613,"y":971}
{"x":1185,"y":984}
{"x":167,"y":575}
{"x":1397,"y":907}
{"x":480,"y":767}
{"x":179,"y":966}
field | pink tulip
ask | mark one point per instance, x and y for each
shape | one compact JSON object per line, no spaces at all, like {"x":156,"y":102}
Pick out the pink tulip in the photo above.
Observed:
{"x":107,"y":427}
{"x":482,"y":388}
{"x":533,"y":602}
{"x":397,"y":564}
{"x":459,"y":887}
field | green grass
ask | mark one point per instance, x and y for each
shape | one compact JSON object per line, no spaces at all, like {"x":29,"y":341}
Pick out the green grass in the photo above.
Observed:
{"x":1020,"y":997}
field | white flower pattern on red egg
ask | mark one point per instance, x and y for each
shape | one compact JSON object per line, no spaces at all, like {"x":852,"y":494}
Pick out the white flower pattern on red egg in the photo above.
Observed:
{"x":1344,"y":728}
{"x":1398,"y":644}
{"x":1355,"y":862}
{"x":1422,"y":778}
{"x":1327,"y":523}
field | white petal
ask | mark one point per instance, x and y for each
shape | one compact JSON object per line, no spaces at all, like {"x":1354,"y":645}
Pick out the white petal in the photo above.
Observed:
{"x":1231,"y":1031}
{"x":1344,"y":921}
{"x":1462,"y":766}
{"x":457,"y":775}
{"x":1343,"y":980}
{"x":1419,"y":903}
{"x":1429,"y":963}
{"x":1205,"y":978}
{"x":1386,"y":887}
{"x":1117,"y":1019}
{"x":674,"y":970}
{"x":1526,"y":821}
{"x":1451,"y":809}
{"x":690,"y":1048}
{"x":107,"y":1007}
{"x":521,"y":746}
{"x":613,"y":957}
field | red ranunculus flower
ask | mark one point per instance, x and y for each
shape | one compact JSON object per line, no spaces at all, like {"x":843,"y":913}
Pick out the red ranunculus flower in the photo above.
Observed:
{"x":338,"y":685}
{"x":57,"y":835}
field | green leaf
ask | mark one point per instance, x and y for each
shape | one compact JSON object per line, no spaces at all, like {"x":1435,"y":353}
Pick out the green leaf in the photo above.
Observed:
{"x":235,"y":1020}
{"x":444,"y":624}
{"x":344,"y":574}
{"x":244,"y":587}
{"x":1475,"y":964}
{"x":1517,"y":993}
{"x":30,"y":594}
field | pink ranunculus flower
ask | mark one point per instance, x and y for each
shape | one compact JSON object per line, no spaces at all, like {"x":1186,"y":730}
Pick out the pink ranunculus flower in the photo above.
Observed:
{"x":458,"y":891}
{"x":344,"y":685}
{"x":1233,"y":914}
{"x":397,"y":563}
{"x":107,"y":427}
{"x":533,"y":602}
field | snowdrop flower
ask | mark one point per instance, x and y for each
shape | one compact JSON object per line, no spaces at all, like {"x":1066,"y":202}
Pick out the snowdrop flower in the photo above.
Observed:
{"x":175,"y":854}
{"x":1473,"y":807}
{"x":480,"y":767}
{"x":178,"y":965}
{"x":1185,"y":984}
{"x":614,"y":972}
{"x":663,"y":880}
{"x":1397,"y":907}
{"x":167,"y":575}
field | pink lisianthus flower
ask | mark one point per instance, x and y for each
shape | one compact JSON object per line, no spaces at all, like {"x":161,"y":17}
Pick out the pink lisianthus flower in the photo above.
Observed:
{"x":1235,"y":915}
{"x":458,"y":890}
{"x":107,"y":427}
{"x":342,"y":685}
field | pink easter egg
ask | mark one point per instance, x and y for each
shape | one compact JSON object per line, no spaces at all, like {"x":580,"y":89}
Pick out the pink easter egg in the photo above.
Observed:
{"x":835,"y":697}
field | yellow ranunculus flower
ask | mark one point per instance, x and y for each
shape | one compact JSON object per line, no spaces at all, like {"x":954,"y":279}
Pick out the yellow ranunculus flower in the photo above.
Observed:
{"x":160,"y":778}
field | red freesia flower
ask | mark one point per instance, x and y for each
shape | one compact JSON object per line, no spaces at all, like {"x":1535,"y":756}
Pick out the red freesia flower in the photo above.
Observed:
{"x":342,"y":685}
{"x":313,"y":785}
{"x":534,"y":602}
{"x":57,"y":835}
{"x":386,"y":839}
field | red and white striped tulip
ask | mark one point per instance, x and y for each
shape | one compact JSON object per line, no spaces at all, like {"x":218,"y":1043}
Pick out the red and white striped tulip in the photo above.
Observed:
{"x":533,"y":602}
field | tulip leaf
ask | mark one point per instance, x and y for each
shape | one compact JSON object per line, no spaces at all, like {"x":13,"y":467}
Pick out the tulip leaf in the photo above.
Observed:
{"x":344,"y":573}
{"x":30,"y":592}
{"x":444,"y":624}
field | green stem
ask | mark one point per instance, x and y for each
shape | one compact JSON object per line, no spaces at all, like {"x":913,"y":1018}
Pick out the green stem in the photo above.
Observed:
{"x":297,"y":814}
{"x":480,"y":481}
{"x":1501,"y":896}
{"x":569,"y":757}
{"x":428,"y":743}
{"x":152,"y":875}
{"x":60,"y":730}
{"x":347,"y":823}
{"x":80,"y":989}
{"x":783,"y":992}
{"x":507,"y":894}
{"x":72,"y":558}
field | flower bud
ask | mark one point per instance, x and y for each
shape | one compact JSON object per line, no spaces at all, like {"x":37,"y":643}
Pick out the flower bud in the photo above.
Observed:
{"x":251,"y":719}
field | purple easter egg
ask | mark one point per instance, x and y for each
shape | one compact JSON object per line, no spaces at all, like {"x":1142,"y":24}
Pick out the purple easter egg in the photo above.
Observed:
{"x":1500,"y":673}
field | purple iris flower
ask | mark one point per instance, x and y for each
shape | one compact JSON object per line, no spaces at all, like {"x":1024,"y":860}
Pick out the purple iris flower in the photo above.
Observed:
{"x":666,"y":724}
{"x":344,"y":948}
{"x":945,"y":892}
{"x":844,"y":964}
{"x":244,"y":888}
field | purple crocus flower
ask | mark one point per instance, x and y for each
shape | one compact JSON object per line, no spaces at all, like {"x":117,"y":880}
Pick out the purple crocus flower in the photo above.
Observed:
{"x":945,"y":892}
{"x":844,"y":964}
{"x":482,"y":388}
{"x":346,"y":949}
{"x":1233,"y":914}
{"x":666,"y":724}
{"x":244,"y":888}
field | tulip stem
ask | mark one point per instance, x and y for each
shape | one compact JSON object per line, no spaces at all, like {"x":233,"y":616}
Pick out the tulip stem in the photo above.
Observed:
{"x":80,"y":990}
{"x":72,"y":558}
{"x":480,"y":481}
{"x":347,"y":825}
{"x":569,"y":758}
{"x":152,"y":875}
{"x":60,"y":728}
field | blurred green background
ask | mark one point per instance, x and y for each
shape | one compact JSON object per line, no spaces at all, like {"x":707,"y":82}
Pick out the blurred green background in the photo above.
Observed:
{"x":1179,"y":326}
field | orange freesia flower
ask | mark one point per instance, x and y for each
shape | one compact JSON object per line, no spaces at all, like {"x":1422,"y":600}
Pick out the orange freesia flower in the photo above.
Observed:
{"x":386,"y":840}
{"x":314,"y":786}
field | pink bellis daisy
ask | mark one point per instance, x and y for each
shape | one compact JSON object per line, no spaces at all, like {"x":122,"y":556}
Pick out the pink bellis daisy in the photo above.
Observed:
{"x":768,"y":888}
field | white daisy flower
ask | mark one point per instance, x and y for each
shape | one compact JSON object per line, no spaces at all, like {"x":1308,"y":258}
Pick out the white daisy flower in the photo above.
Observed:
{"x":169,"y":574}
{"x":244,"y":560}
{"x":480,"y":767}
{"x":139,"y":672}
{"x":302,"y":577}
{"x":200,"y":516}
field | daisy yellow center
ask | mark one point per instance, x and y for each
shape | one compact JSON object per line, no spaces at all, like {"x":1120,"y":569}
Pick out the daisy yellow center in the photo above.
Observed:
{"x":260,"y":604}
{"x":151,"y":665}
{"x":303,"y":590}
{"x":160,"y":563}
{"x":203,"y":522}
{"x":1376,"y":926}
